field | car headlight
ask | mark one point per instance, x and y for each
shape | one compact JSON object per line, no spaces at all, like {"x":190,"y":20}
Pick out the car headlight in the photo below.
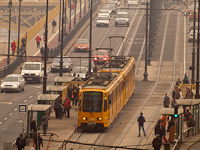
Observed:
{"x":15,"y":85}
{"x":52,"y":66}
{"x":2,"y":85}
{"x":104,"y":58}
{"x":67,"y":66}
{"x":95,"y":58}
{"x":84,"y":118}
{"x":37,"y":74}
{"x":22,"y":73}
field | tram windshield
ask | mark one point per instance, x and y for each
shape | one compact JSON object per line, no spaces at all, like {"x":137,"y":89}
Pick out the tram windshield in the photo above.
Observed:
{"x":92,"y":101}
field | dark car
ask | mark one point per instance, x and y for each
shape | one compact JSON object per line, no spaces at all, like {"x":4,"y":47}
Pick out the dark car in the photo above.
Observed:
{"x":67,"y":65}
{"x":100,"y":57}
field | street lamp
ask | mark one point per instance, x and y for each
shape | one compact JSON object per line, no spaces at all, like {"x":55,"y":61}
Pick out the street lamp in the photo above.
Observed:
{"x":20,"y":1}
{"x":80,"y":11}
{"x":90,"y":45}
{"x":146,"y":52}
{"x":45,"y":52}
{"x":61,"y":49}
{"x":70,"y":15}
{"x":10,"y":6}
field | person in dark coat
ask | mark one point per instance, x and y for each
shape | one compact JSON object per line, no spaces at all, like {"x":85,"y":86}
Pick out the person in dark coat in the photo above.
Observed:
{"x":178,"y":82}
{"x":170,"y":124}
{"x":185,"y":79}
{"x":56,"y":107}
{"x":69,"y":90}
{"x":33,"y":125}
{"x":20,"y":142}
{"x":141,"y":121}
{"x":42,"y":53}
{"x":159,"y":129}
{"x":166,"y":101}
{"x":157,"y":142}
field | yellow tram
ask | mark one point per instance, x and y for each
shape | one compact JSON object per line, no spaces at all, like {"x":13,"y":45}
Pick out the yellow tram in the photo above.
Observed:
{"x":104,"y":95}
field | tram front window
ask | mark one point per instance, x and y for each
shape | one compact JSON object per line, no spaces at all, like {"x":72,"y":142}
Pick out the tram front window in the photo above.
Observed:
{"x":92,"y":101}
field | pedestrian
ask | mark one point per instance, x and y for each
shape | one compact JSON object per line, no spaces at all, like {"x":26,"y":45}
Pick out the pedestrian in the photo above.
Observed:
{"x":67,"y":106}
{"x":73,"y":97}
{"x":40,"y":141}
{"x":42,"y":53}
{"x":38,"y":39}
{"x":159,"y":128}
{"x":69,"y":90}
{"x":177,"y":94}
{"x":190,"y":124}
{"x":187,"y":115}
{"x":72,"y":8}
{"x":178,"y":82}
{"x":33,"y":125}
{"x":189,"y":94}
{"x":185,"y":79}
{"x":56,"y":109}
{"x":141,"y":121}
{"x":53,"y":25}
{"x":173,"y":103}
{"x":13,"y":45}
{"x":157,"y":142}
{"x":44,"y":123}
{"x":23,"y":41}
{"x":166,"y":101}
{"x":20,"y":142}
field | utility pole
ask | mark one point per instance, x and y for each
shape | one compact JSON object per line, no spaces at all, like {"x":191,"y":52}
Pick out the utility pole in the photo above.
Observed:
{"x":70,"y":15}
{"x":61,"y":53}
{"x":20,"y":1}
{"x":90,"y":45}
{"x":59,"y":23}
{"x":10,"y":6}
{"x":80,"y":11}
{"x":146,"y":41}
{"x":45,"y":51}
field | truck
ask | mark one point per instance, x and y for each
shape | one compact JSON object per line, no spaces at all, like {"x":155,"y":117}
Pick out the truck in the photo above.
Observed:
{"x":32,"y":71}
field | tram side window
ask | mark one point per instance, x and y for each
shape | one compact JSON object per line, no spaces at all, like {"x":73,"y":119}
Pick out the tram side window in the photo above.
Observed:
{"x":92,"y":101}
{"x":105,"y":105}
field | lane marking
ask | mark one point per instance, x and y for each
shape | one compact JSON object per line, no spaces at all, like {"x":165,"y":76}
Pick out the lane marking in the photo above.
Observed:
{"x":5,"y":118}
{"x":25,"y":101}
{"x":10,"y":114}
{"x":30,"y":96}
{"x":15,"y":109}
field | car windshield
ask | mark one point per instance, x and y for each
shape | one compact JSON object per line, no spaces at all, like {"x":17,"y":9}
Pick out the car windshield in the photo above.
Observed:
{"x":102,"y":18}
{"x":80,"y":70}
{"x":82,"y":41}
{"x":122,"y":15}
{"x":100,"y":53}
{"x":10,"y":79}
{"x":104,"y":11}
{"x":31,"y":67}
{"x":92,"y":101}
{"x":66,"y":60}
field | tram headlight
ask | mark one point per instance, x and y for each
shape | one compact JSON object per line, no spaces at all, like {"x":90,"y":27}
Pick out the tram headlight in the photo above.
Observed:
{"x":84,"y":118}
{"x":99,"y":119}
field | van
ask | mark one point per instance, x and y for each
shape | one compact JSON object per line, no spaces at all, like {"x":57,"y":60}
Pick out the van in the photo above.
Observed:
{"x":122,"y":18}
{"x":32,"y":71}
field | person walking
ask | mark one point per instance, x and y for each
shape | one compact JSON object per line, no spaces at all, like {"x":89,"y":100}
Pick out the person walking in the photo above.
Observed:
{"x":23,"y":41}
{"x":20,"y":142}
{"x":53,"y":25}
{"x":190,"y":124}
{"x":38,"y":39}
{"x":157,"y":142}
{"x":40,"y":141}
{"x":42,"y":53}
{"x":185,"y":79}
{"x":13,"y":46}
{"x":44,"y":123}
{"x":67,"y":106}
{"x":141,"y":121}
{"x":166,"y":101}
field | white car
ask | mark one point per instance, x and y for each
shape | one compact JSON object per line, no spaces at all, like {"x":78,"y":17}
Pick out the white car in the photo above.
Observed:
{"x":104,"y":13}
{"x":122,"y":18}
{"x":190,"y":36}
{"x":102,"y":21}
{"x":132,"y":3}
{"x":13,"y":82}
{"x":81,"y":71}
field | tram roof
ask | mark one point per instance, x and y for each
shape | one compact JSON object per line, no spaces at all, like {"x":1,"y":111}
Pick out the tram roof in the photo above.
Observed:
{"x":188,"y":101}
{"x":117,"y":63}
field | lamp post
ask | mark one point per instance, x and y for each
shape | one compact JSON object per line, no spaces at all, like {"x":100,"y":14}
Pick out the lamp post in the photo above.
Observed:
{"x":61,"y":49}
{"x":45,"y":51}
{"x":84,"y":6}
{"x":90,"y":45}
{"x":146,"y":52}
{"x":10,"y":6}
{"x":80,"y":11}
{"x":193,"y":50}
{"x":20,"y":2}
{"x":75,"y":1}
{"x":70,"y":15}
{"x":197,"y":80}
{"x":59,"y":23}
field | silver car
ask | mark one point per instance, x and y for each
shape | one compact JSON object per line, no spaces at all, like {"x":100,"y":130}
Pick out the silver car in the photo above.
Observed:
{"x":102,"y":21}
{"x":13,"y":82}
{"x":81,"y":71}
{"x":67,"y":65}
{"x":122,"y":18}
{"x":190,"y":36}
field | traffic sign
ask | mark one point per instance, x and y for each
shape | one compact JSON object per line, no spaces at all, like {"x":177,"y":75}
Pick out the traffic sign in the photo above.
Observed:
{"x":44,"y":34}
{"x":22,"y":108}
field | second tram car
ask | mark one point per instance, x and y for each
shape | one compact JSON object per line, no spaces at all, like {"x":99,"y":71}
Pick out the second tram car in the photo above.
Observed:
{"x":103,"y":96}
